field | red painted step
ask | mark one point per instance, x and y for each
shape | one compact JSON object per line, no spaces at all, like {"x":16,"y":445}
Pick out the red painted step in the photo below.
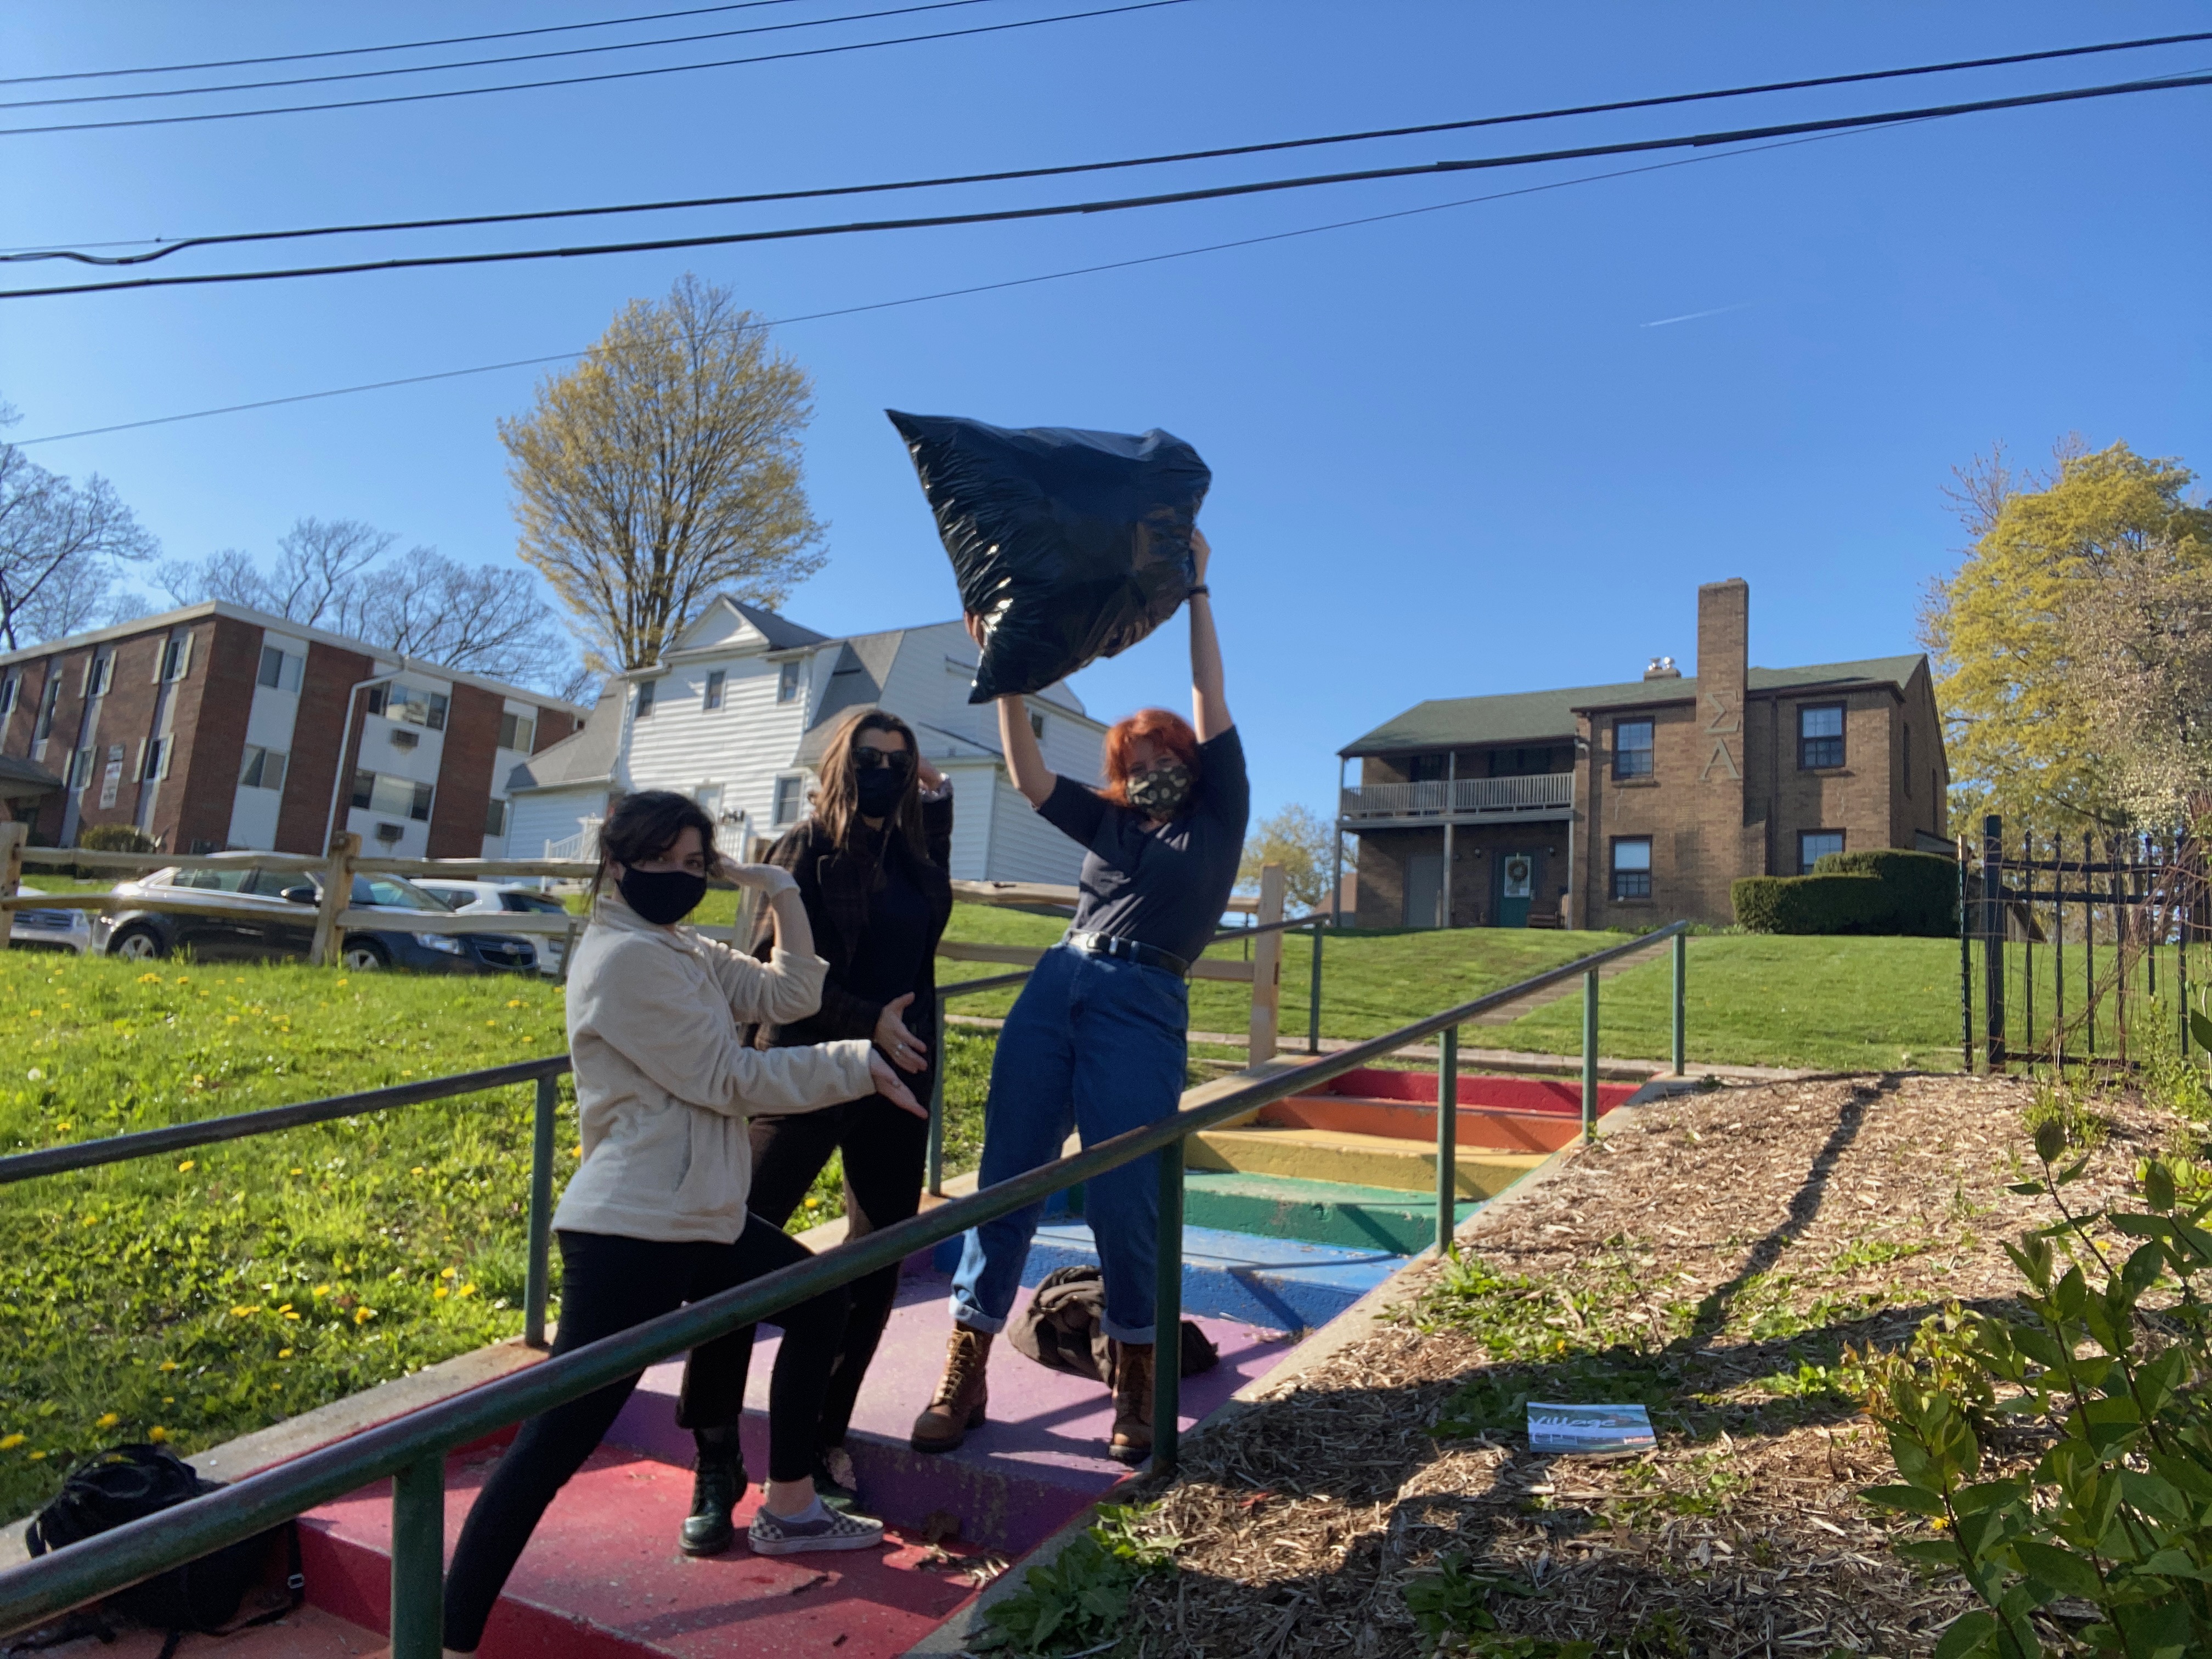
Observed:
{"x":1496,"y":1113}
{"x":603,"y":1577}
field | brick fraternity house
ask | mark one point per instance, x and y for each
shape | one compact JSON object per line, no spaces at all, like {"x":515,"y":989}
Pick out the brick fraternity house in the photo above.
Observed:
{"x":217,"y":726}
{"x":736,"y":713}
{"x":1628,"y":806}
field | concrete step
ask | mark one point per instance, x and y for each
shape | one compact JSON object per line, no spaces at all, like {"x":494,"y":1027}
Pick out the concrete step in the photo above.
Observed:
{"x":1270,"y":1283}
{"x":1039,"y":1461}
{"x":1323,"y":1212}
{"x":1362,"y":1160}
{"x":602,"y":1578}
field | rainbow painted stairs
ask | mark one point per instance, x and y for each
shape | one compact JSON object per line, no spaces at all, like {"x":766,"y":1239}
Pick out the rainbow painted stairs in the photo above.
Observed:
{"x":1291,"y":1216}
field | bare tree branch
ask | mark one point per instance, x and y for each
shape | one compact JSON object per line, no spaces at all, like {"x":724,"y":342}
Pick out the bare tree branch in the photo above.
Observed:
{"x":59,"y":545}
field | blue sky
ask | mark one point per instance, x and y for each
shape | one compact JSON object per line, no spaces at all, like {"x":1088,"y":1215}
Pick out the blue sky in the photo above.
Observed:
{"x":1457,"y":452}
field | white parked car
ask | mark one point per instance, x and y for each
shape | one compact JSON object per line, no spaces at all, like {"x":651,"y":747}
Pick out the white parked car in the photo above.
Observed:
{"x":477,"y":898}
{"x":59,"y":930}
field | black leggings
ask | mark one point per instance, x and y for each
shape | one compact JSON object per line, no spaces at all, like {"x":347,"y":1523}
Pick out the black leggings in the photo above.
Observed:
{"x":609,"y":1285}
{"x":884,"y":1148}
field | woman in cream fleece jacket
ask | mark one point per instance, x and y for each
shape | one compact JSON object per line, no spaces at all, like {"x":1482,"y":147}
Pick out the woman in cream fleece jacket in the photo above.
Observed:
{"x":655,"y":1216}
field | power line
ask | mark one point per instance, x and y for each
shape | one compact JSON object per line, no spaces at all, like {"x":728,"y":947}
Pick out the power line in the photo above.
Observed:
{"x":399,"y":46}
{"x":483,"y":62}
{"x":180,"y":245}
{"x":960,"y":293}
{"x":573,"y":80}
{"x":1215,"y":192}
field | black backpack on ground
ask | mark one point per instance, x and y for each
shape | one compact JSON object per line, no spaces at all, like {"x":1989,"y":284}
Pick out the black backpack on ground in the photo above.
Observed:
{"x":1059,"y":1328}
{"x":127,"y":1483}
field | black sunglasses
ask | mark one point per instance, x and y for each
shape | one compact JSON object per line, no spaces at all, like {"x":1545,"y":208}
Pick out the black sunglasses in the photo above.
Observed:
{"x":867,"y":760}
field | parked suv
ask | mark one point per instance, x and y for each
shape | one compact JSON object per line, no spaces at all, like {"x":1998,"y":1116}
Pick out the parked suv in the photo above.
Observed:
{"x":479,"y":898}
{"x":285,"y":929}
{"x":61,"y":930}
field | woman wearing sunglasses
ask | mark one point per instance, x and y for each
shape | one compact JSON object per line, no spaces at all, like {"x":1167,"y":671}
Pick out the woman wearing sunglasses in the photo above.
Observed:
{"x":1096,"y":1043}
{"x":871,"y":865}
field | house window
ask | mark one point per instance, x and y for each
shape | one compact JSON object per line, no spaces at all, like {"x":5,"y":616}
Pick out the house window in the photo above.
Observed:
{"x":787,"y":683}
{"x":787,"y":799}
{"x":1632,"y":867}
{"x":263,"y":768}
{"x":1821,"y":736}
{"x":1426,"y":769}
{"x":1813,"y":845}
{"x":1036,"y":725}
{"x":176,"y":653}
{"x":100,"y":676}
{"x":280,"y":671}
{"x":156,"y":762}
{"x":646,"y":691}
{"x":9,"y":688}
{"x":1631,"y":753}
{"x":375,"y":792}
{"x":409,"y":703}
{"x":518,"y":732}
{"x":52,"y":694}
{"x":716,"y":678}
{"x":495,"y":816}
{"x":80,"y":768}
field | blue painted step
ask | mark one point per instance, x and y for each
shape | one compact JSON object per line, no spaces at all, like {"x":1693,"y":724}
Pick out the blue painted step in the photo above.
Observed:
{"x":1277,"y":1284}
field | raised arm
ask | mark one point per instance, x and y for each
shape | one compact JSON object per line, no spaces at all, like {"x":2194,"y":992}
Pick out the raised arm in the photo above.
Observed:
{"x":1209,"y":697}
{"x":1024,"y":760}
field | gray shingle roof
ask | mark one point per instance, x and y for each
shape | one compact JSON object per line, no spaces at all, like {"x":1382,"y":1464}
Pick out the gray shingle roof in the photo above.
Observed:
{"x":585,"y":755}
{"x":21,"y":779}
{"x":1533,"y":716}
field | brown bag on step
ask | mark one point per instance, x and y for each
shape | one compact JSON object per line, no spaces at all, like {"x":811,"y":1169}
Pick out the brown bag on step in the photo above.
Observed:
{"x":1060,"y":1329}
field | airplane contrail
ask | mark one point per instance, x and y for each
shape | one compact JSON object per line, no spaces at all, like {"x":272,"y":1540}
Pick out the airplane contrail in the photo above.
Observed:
{"x":1692,"y":316}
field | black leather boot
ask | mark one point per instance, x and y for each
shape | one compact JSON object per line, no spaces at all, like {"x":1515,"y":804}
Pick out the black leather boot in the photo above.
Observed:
{"x":717,"y":1491}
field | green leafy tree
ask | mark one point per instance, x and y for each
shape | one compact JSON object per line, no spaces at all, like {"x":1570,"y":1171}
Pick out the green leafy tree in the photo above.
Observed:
{"x":2026,"y":732}
{"x":663,"y":469}
{"x":1305,"y":844}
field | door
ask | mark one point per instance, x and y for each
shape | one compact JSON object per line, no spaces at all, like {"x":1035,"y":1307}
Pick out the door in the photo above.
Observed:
{"x":217,"y":938}
{"x":1424,"y":890}
{"x":290,"y":933}
{"x":1516,"y":886}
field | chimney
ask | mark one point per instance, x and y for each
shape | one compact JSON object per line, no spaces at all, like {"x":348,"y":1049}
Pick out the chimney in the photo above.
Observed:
{"x":1662,"y":668}
{"x":1723,"y":646}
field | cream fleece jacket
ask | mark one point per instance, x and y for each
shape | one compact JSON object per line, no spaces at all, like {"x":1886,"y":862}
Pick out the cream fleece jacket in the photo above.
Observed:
{"x":665,"y":1081}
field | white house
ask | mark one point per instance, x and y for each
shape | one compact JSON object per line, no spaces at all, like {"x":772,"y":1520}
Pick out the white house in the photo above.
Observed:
{"x":737,"y":711}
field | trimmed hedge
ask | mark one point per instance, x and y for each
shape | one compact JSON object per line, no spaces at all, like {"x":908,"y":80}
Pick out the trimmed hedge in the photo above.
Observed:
{"x":1883,"y":891}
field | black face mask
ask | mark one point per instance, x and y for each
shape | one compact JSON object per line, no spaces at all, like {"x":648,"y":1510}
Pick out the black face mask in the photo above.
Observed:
{"x":879,"y":789}
{"x":663,"y":897}
{"x":1162,"y":791}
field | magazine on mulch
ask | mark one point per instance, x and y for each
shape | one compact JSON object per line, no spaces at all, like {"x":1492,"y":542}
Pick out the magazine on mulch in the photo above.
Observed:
{"x":1589,"y":1430}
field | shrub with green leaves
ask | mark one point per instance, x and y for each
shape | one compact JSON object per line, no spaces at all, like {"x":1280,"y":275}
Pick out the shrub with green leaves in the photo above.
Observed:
{"x":2107,"y":1372}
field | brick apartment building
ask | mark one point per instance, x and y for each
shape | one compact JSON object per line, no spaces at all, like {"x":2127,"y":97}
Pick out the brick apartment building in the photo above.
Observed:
{"x":217,"y":726}
{"x":1632,"y":805}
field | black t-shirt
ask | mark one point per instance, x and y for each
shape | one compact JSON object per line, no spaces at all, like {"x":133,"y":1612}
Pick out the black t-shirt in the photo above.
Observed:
{"x":894,"y":948}
{"x":1164,"y":887}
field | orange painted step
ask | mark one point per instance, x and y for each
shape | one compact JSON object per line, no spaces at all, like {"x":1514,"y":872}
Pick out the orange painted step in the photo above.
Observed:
{"x":1480,"y":1128}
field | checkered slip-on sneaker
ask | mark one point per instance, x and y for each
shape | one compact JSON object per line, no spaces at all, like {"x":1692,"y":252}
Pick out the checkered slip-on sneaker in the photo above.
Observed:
{"x":819,"y":1527}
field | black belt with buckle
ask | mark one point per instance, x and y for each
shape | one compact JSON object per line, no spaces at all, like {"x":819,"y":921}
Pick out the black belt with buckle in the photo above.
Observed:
{"x":1129,"y":950}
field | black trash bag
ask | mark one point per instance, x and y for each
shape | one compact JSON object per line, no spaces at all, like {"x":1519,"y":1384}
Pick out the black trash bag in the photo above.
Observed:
{"x":1059,"y":1328}
{"x":1071,"y":545}
{"x":130,"y":1482}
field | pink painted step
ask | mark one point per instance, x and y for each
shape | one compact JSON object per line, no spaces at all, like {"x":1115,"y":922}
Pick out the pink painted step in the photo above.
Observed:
{"x":310,"y":1633}
{"x":603,"y":1577}
{"x":1496,"y":1113}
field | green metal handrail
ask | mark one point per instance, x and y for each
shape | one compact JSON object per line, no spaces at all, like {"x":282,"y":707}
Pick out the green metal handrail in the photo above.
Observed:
{"x":411,"y":1450}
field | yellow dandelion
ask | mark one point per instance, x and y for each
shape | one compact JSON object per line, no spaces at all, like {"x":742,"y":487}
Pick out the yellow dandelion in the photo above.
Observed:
{"x":108,"y":1419}
{"x":38,"y":1457}
{"x":92,"y":1221}
{"x":362,"y":1315}
{"x":149,"y":979}
{"x":168,"y":1400}
{"x":322,"y":1290}
{"x":186,"y":1165}
{"x":61,"y":1128}
{"x":417,"y":1170}
{"x":468,"y":1290}
{"x":440,"y":1294}
{"x":283,"y":1353}
{"x":575,"y":1152}
{"x":243,"y":1312}
{"x":157,"y":1434}
{"x":527,"y":1037}
{"x":407,"y":1074}
{"x":9,"y":1442}
{"x":184,"y":979}
{"x":450,"y":1273}
{"x":275,"y":1387}
{"x":341,"y":981}
{"x":515,"y":1002}
{"x":230,"y":1019}
{"x":299,"y":1172}
{"x":168,"y":1365}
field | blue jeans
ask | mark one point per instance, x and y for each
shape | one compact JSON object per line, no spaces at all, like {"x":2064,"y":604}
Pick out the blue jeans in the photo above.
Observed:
{"x":1096,"y":1045}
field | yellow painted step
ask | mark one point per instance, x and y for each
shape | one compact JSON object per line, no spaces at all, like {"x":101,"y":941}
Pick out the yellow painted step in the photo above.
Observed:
{"x":1408,"y":1166}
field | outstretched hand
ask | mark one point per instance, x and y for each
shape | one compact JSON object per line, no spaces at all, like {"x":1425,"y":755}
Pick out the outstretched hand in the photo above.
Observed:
{"x":889,"y":1086}
{"x":1200,"y":553}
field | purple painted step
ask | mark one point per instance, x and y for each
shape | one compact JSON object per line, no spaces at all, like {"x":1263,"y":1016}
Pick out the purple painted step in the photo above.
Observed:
{"x":1039,"y":1461}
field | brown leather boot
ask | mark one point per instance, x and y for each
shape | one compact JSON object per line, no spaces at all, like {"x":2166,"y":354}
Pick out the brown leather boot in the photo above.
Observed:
{"x":1133,"y":1402}
{"x":961,"y":1394}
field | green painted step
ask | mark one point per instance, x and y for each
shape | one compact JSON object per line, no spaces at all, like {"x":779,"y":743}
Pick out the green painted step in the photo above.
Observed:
{"x":1319,"y":1212}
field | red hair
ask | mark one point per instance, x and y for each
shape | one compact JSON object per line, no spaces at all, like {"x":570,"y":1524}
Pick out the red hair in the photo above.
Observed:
{"x":1167,"y":731}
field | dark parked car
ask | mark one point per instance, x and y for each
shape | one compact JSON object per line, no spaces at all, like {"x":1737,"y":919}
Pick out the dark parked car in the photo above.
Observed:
{"x":285,"y":931}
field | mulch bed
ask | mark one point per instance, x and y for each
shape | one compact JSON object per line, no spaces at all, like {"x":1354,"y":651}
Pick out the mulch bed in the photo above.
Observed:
{"x":1717,"y":1252}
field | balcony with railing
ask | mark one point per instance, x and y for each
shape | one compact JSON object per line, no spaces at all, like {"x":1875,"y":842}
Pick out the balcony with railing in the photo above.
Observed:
{"x":1542,"y":794}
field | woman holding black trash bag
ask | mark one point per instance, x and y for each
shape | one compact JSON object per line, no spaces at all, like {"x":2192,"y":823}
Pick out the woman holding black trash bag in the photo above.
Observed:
{"x":1096,"y":1039}
{"x":655,"y":1216}
{"x":872,"y":864}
